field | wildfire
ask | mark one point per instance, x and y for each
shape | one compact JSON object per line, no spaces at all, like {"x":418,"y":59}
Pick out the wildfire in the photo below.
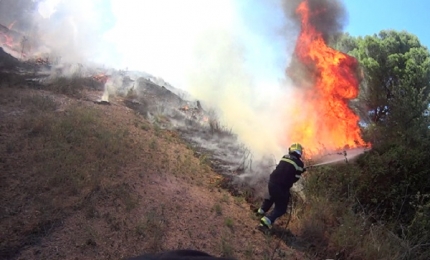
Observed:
{"x":321,"y":119}
{"x":6,"y":40}
{"x":102,"y":78}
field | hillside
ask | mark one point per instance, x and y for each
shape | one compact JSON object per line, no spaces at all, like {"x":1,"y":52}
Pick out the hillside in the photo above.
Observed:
{"x":84,"y":179}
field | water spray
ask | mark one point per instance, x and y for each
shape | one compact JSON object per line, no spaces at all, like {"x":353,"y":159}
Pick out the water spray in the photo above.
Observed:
{"x":324,"y":163}
{"x":345,"y":156}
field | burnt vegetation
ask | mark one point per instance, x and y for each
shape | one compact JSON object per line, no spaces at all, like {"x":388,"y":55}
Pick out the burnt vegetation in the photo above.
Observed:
{"x":68,"y":161}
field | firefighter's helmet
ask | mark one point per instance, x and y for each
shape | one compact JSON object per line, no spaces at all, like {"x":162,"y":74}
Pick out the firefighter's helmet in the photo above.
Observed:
{"x":296,"y":148}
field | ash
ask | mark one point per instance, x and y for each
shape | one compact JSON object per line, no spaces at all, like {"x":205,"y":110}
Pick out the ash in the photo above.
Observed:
{"x":157,"y":101}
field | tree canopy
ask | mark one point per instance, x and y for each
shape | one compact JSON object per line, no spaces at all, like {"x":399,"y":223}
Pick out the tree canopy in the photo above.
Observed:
{"x":392,"y":180}
{"x":396,"y":76}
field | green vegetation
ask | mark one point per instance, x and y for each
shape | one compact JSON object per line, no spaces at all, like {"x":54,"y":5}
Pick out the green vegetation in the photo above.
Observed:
{"x":226,"y":248}
{"x":378,"y":208}
{"x":57,"y":161}
{"x":153,"y":228}
{"x":218,"y":209}
{"x":229,"y":222}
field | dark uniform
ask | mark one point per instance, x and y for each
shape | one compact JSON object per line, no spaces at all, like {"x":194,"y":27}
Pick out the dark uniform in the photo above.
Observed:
{"x":287,"y":172}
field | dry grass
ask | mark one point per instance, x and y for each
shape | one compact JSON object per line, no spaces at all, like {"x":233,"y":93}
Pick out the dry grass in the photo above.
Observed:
{"x":334,"y":230}
{"x":215,"y":125}
{"x":83,"y":181}
{"x":54,"y":164}
{"x":226,"y":246}
{"x":336,"y":225}
{"x":9,"y":80}
{"x":153,"y":228}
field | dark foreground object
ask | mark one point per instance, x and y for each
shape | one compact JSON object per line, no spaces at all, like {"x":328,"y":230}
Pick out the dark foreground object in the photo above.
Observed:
{"x":180,"y":255}
{"x":102,"y":102}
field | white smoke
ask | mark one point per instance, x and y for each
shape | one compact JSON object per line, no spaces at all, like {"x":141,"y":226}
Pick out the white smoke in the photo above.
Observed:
{"x":230,"y":54}
{"x":157,"y":36}
{"x":241,"y":72}
{"x":70,"y":30}
{"x":222,"y":79}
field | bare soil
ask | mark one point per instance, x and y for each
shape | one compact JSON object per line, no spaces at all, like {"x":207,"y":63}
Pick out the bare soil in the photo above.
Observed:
{"x":84,"y":179}
{"x":153,"y":194}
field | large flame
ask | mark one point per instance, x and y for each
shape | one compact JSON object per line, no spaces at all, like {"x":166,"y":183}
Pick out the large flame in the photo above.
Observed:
{"x":321,"y":118}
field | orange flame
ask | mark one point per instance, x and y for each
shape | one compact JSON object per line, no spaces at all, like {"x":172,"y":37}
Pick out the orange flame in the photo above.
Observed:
{"x":6,"y":40}
{"x":322,"y":120}
{"x":102,"y":78}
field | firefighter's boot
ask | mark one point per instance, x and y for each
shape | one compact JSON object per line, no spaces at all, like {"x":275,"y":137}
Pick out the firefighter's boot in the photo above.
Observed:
{"x":265,"y":222}
{"x":260,"y":212}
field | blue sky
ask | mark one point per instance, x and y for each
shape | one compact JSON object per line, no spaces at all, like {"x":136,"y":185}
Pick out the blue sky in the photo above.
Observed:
{"x":269,"y":43}
{"x":366,"y":17}
{"x":136,"y":37}
{"x":230,"y":54}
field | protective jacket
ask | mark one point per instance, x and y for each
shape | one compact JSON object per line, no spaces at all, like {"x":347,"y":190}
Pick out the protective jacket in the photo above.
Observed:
{"x":287,"y":172}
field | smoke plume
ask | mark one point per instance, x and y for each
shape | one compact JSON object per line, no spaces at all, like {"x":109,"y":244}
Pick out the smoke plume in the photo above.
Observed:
{"x":222,"y":80}
{"x":249,"y":101}
{"x":68,"y":31}
{"x":235,"y":64}
{"x":329,"y":16}
{"x":17,"y":14}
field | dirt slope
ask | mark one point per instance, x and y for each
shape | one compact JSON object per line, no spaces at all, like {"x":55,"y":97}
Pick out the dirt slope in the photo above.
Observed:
{"x":81,"y":180}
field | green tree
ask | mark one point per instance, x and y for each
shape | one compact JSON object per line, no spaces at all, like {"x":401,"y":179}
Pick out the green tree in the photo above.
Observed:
{"x":394,"y":101}
{"x":395,"y":86}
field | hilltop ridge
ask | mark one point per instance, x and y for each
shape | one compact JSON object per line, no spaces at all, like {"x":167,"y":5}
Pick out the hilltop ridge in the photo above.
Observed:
{"x":85,"y":179}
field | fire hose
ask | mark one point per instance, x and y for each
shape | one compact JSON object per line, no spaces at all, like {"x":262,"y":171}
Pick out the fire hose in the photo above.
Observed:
{"x":344,"y":153}
{"x":283,"y":237}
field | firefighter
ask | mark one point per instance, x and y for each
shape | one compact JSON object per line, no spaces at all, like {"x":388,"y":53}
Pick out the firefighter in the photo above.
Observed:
{"x":286,"y":173}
